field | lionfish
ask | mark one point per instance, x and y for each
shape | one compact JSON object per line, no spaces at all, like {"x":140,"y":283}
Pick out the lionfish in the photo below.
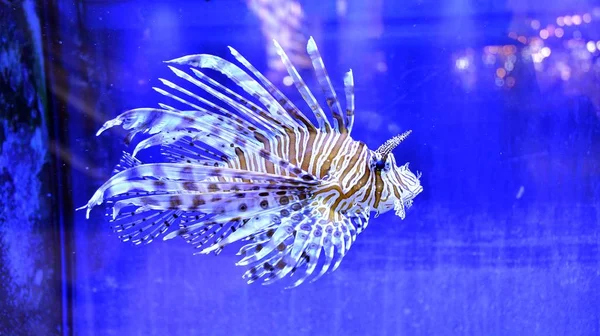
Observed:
{"x":257,"y":170}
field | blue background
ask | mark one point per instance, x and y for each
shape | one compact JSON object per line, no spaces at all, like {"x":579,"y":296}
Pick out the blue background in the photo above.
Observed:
{"x":503,"y":241}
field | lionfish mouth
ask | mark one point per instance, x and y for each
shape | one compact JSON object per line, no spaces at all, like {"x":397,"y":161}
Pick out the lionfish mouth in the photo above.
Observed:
{"x":417,"y":191}
{"x":399,"y":207}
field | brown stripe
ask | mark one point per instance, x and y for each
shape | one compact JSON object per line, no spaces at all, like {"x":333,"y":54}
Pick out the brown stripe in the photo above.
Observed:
{"x":361,"y":183}
{"x":306,"y":122}
{"x":292,"y":146}
{"x":242,"y":157}
{"x":268,"y":164}
{"x":368,"y":193}
{"x":330,"y":188}
{"x":318,"y":152}
{"x":308,"y":153}
{"x":340,"y":122}
{"x":354,"y":159}
{"x":378,"y":188}
{"x":302,"y":149}
{"x":279,"y":152}
{"x":400,"y":180}
{"x":334,"y":152}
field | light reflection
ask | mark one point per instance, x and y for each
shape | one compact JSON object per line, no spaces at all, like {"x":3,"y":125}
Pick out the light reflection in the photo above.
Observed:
{"x":559,"y":32}
{"x":509,"y":66}
{"x":341,"y":7}
{"x":537,"y":57}
{"x":564,"y":70}
{"x":381,"y":66}
{"x":288,"y":81}
{"x":546,"y":51}
{"x":563,"y":51}
{"x":282,"y":20}
{"x":585,"y":67}
{"x":591,"y":46}
{"x":462,"y":63}
{"x":509,"y":49}
{"x":488,"y":59}
{"x":568,"y":21}
{"x":510,"y":81}
{"x":464,"y":67}
{"x":500,"y":72}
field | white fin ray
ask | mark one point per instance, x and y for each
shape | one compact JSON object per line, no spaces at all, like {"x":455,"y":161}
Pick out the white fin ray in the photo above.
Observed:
{"x":308,"y":97}
{"x":349,"y":90}
{"x":259,"y":120}
{"x":287,"y":104}
{"x":326,"y":86}
{"x":239,"y":77}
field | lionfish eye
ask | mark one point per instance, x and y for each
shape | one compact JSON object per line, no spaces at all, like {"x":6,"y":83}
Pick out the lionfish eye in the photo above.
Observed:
{"x":379,"y":164}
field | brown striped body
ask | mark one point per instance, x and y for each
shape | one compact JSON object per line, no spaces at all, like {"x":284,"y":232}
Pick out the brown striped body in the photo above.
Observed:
{"x":336,"y":157}
{"x":253,"y":168}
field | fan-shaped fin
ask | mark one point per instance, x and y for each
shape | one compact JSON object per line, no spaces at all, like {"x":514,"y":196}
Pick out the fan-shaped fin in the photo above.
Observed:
{"x":275,"y":92}
{"x":295,"y":246}
{"x":263,"y":120}
{"x":182,"y":172}
{"x":239,"y":77}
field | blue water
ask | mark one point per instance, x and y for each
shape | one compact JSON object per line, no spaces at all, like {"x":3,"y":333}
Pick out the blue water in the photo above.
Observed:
{"x":504,"y":240}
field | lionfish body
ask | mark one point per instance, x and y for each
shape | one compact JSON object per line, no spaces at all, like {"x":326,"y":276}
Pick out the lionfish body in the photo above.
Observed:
{"x":255,"y":169}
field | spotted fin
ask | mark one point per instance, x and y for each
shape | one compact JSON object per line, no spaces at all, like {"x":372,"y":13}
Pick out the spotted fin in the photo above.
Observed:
{"x":211,"y":235}
{"x":133,"y":226}
{"x":295,"y":246}
{"x":210,"y":214}
{"x":242,"y":79}
{"x":153,"y":121}
{"x":255,"y":119}
{"x":161,"y":172}
{"x":227,"y":133}
{"x":234,"y":204}
{"x":186,"y":150}
{"x":262,"y":119}
{"x":142,"y":227}
{"x":254,"y":214}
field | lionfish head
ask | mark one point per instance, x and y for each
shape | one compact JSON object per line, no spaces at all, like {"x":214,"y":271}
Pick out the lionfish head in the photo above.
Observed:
{"x":400,"y":185}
